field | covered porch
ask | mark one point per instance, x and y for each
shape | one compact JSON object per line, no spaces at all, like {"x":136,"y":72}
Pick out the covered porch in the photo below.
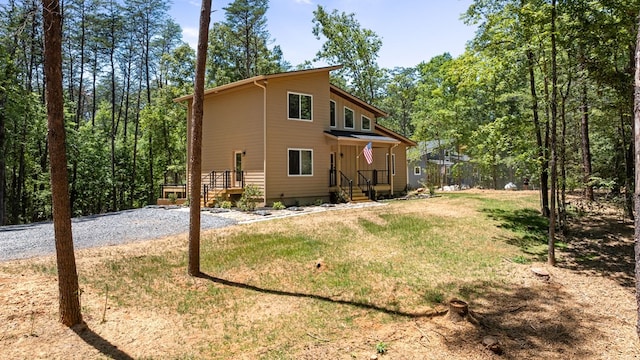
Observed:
{"x":362,"y":165}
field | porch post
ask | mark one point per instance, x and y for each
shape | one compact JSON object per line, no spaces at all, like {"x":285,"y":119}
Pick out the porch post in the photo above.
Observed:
{"x":390,"y":173}
{"x":338,"y":164}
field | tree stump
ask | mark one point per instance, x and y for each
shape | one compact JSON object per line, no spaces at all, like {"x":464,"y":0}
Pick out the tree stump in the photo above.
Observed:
{"x":458,"y":310}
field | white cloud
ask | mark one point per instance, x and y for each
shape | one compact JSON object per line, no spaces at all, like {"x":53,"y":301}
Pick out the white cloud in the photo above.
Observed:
{"x":190,"y":36}
{"x":307,"y":2}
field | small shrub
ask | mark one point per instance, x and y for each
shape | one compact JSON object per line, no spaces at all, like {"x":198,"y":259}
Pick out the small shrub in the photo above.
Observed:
{"x":173,"y":198}
{"x":249,"y":198}
{"x":319,"y":202}
{"x":432,"y":190}
{"x":226,"y":204}
{"x":381,"y":347}
{"x":278,"y":206}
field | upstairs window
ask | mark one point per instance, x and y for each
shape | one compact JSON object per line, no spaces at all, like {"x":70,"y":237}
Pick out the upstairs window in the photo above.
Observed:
{"x":348,"y":118}
{"x":300,"y":107}
{"x":366,"y":123}
{"x":332,"y":113}
{"x":417,"y":170}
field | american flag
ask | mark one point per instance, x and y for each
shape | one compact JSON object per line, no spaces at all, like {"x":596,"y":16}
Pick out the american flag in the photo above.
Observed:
{"x":368,"y":153}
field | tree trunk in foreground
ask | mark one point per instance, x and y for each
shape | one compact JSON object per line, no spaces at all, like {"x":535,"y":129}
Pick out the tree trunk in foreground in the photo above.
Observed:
{"x":551,"y":257}
{"x":636,"y":135}
{"x":195,"y":155}
{"x":67,"y":275}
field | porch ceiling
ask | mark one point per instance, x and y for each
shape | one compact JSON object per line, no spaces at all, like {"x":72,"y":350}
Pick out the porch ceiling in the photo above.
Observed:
{"x":358,"y":137}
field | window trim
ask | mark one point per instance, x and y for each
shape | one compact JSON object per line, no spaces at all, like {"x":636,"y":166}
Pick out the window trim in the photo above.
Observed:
{"x":335,"y":115}
{"x":362,"y":123}
{"x":299,"y":150}
{"x":353,"y":125}
{"x":417,"y":170}
{"x":289,"y":93}
{"x":393,"y":164}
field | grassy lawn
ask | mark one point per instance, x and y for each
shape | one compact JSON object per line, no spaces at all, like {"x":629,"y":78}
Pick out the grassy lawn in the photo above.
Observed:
{"x":344,"y":283}
{"x":386,"y":263}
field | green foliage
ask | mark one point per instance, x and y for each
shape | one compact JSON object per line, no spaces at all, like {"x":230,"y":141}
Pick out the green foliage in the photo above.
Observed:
{"x":353,"y":47}
{"x":226,"y":204}
{"x":278,"y":205}
{"x":239,"y":46}
{"x":251,"y":195}
{"x":381,"y":347}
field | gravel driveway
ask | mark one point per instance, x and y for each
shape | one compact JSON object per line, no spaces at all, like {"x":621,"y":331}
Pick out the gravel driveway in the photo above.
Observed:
{"x":29,"y":240}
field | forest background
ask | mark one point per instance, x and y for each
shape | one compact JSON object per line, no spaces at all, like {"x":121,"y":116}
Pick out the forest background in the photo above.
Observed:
{"x":541,"y":86}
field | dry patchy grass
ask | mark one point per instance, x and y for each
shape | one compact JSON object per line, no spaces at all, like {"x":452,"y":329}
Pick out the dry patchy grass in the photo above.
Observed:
{"x":339,"y":284}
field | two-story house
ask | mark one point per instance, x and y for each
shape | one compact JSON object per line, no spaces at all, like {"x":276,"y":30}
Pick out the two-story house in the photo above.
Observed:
{"x":299,"y":139}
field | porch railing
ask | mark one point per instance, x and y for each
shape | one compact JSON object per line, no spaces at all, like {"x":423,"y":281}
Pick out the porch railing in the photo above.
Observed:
{"x":216,"y":182}
{"x":172,"y":188}
{"x":365,"y":184}
{"x":333,"y":177}
{"x":346,"y":185}
{"x":377,"y":177}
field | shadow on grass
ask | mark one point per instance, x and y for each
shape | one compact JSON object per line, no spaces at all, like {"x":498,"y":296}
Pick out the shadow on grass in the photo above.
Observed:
{"x":601,"y":245}
{"x":541,"y":321}
{"x":99,"y":343}
{"x":594,"y":244}
{"x":528,"y":227}
{"x":317,"y":297}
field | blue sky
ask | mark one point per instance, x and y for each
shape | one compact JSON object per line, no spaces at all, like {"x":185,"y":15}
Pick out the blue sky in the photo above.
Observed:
{"x":412,"y":31}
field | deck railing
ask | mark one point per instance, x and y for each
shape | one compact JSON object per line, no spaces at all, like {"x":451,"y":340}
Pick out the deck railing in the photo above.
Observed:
{"x":172,"y":189}
{"x":346,"y":185}
{"x":365,"y":184}
{"x":217,"y":181}
{"x":377,"y":177}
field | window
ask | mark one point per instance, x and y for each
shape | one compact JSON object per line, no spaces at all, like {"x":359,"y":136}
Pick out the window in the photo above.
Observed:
{"x":366,"y":123}
{"x":393,"y":164}
{"x":348,"y":118}
{"x":332,"y":114}
{"x":300,"y":107}
{"x":417,"y":170}
{"x":300,"y":162}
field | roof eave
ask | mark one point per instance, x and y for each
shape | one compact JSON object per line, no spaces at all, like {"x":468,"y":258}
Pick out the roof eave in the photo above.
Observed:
{"x":377,"y":112}
{"x":253,"y":79}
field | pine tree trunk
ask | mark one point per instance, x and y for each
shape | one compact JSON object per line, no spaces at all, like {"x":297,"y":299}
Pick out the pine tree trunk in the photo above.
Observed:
{"x":3,"y":155}
{"x":636,"y":134}
{"x":544,"y":197}
{"x":195,"y":155}
{"x":551,"y":260}
{"x":586,"y":146}
{"x":67,"y":275}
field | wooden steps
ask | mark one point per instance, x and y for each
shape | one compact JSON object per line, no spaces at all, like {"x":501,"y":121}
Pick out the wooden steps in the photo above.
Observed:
{"x":358,"y":196}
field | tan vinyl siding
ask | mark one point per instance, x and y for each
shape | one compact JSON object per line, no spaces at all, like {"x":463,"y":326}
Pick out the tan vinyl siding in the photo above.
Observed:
{"x":400,"y":180}
{"x":233,"y":121}
{"x":358,"y":112}
{"x":256,"y":178}
{"x":284,"y":134}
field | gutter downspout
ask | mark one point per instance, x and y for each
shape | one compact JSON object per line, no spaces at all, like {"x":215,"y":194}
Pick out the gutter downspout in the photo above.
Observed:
{"x":392,"y":165}
{"x":264,"y":137}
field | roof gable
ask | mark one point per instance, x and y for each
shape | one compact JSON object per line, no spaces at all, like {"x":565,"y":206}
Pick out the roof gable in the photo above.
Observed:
{"x":240,"y":83}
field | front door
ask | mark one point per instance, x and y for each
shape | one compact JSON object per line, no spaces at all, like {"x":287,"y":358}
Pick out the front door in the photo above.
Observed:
{"x":237,"y":171}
